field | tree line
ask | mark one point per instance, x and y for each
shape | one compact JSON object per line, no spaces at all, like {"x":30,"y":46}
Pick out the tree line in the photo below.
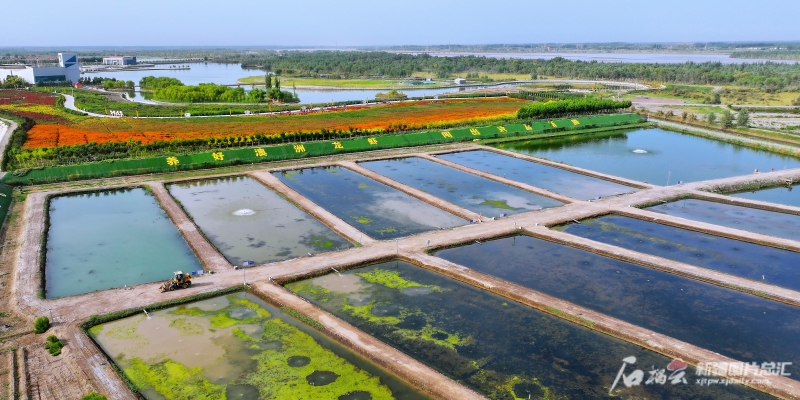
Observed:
{"x":769,"y":76}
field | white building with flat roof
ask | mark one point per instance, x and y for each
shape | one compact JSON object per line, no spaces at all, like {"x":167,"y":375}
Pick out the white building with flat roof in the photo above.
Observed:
{"x":119,"y":60}
{"x":67,"y":71}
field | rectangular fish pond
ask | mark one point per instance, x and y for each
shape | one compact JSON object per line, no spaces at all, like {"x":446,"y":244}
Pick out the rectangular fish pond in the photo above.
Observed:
{"x":653,"y":155}
{"x":788,"y":195}
{"x":762,"y":263}
{"x":722,"y":320}
{"x":110,"y":239}
{"x":247,"y":221}
{"x":732,"y":216}
{"x":477,"y":194}
{"x":556,"y":180}
{"x":238,"y":347}
{"x":372,"y":207}
{"x":500,"y":348}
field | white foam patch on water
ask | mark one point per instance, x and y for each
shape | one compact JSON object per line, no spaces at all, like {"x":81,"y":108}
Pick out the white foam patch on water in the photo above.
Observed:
{"x":243,"y":212}
{"x":640,"y":151}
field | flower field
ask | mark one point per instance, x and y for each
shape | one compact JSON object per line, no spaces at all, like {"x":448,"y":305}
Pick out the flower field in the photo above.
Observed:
{"x":73,"y":130}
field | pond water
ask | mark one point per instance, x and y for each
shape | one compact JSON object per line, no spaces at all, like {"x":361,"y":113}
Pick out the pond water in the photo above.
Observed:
{"x":653,"y":155}
{"x":745,"y":218}
{"x":110,"y":239}
{"x":725,"y":321}
{"x":203,"y":350}
{"x":546,"y":177}
{"x":789,"y":196}
{"x":477,"y":194}
{"x":660,"y":58}
{"x":734,"y":257}
{"x":219,"y":73}
{"x":500,"y":348}
{"x":247,"y":221}
{"x":372,"y":207}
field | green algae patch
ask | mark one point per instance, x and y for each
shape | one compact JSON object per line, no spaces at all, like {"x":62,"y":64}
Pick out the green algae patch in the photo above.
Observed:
{"x":190,"y":312}
{"x":501,"y":204}
{"x":290,"y":174}
{"x":387,"y":230}
{"x":365,"y":312}
{"x":95,"y":330}
{"x":127,"y":330}
{"x":221,"y":318}
{"x":185,"y":327}
{"x":321,"y":242}
{"x":362,"y":186}
{"x":361,"y":220}
{"x":174,"y":380}
{"x":319,"y":293}
{"x":436,"y":335}
{"x":518,"y":387}
{"x":392,"y":279}
{"x":272,"y":368}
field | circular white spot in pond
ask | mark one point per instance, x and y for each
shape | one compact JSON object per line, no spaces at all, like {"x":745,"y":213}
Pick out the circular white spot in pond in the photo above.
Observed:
{"x":243,"y":212}
{"x":640,"y":151}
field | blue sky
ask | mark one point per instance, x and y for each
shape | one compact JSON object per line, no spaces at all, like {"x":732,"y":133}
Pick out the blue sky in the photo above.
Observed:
{"x":387,"y":22}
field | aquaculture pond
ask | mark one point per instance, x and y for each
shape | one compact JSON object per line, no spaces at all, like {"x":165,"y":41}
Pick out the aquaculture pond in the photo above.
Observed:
{"x":653,"y":155}
{"x":477,"y":194}
{"x":788,"y":195}
{"x":725,"y":321}
{"x":247,"y":221}
{"x":745,"y":218}
{"x":238,"y":347}
{"x":546,"y":177}
{"x":748,"y":260}
{"x":498,"y":347}
{"x":374,"y":208}
{"x":111,"y":239}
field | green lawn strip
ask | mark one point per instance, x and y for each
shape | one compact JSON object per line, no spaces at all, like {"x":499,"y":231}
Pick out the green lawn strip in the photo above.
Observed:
{"x":221,"y":158}
{"x":5,"y":201}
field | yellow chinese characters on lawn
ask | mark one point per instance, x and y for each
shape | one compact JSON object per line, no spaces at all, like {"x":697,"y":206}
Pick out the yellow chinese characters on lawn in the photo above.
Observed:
{"x":528,"y":127}
{"x":338,"y":145}
{"x":474,"y":132}
{"x":372,"y":141}
{"x":447,"y":134}
{"x":502,"y":129}
{"x":575,"y":122}
{"x":218,"y":156}
{"x":299,"y":148}
{"x":553,"y":124}
{"x":173,"y":161}
{"x":260,"y":153}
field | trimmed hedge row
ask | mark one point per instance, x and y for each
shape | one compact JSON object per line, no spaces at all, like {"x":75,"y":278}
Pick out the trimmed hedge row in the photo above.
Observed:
{"x":566,"y":107}
{"x":248,"y":155}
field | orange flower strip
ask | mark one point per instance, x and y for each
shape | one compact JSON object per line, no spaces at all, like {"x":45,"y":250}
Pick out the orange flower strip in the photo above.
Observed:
{"x":102,"y":130}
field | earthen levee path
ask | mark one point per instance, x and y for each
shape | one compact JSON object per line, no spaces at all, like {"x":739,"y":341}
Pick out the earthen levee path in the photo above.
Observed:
{"x":68,"y":313}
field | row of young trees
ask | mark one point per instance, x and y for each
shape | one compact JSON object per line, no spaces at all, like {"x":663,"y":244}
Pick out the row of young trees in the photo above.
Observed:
{"x":568,"y":107}
{"x":153,"y":83}
{"x":13,"y":82}
{"x":769,"y":76}
{"x":212,"y":93}
{"x":107,"y":83}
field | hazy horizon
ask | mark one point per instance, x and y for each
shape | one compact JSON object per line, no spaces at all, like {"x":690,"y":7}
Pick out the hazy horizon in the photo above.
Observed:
{"x":362,"y":23}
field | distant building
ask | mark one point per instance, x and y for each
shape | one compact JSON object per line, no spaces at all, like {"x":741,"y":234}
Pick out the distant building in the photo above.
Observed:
{"x":119,"y":60}
{"x":67,"y":71}
{"x":460,"y":81}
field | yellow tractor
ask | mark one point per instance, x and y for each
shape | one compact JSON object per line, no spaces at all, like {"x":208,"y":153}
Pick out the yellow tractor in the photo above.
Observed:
{"x":180,"y":280}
